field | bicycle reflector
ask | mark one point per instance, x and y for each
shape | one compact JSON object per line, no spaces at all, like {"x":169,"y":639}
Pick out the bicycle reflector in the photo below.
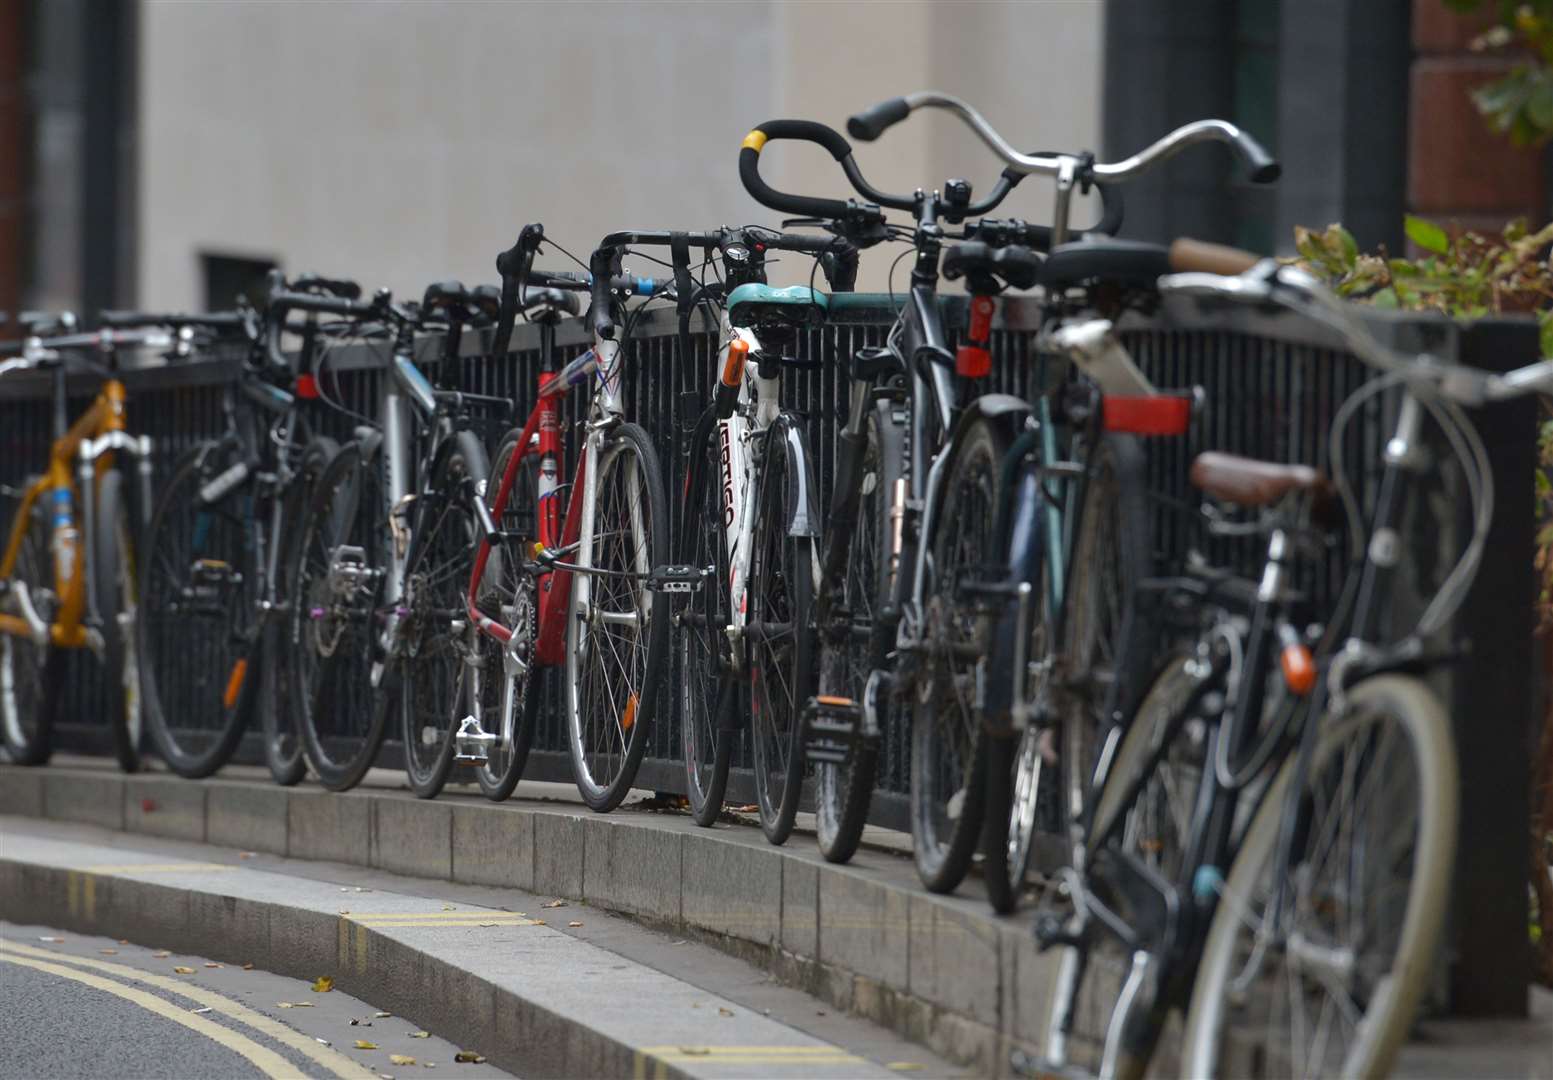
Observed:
{"x":974,"y":359}
{"x":1299,"y":668}
{"x":732,"y":377}
{"x":1155,"y":414}
{"x":307,"y":387}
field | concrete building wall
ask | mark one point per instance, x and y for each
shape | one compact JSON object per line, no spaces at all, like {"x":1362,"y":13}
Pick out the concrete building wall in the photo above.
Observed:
{"x":401,"y":142}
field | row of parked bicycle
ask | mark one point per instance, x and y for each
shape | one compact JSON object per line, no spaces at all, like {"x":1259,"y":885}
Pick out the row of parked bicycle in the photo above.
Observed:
{"x":1255,"y":799}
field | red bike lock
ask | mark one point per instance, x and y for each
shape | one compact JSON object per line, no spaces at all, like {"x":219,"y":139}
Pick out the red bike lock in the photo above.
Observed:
{"x":973,"y":360}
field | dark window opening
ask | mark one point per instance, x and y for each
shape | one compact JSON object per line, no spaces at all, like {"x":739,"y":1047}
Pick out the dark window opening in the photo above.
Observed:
{"x":230,"y":277}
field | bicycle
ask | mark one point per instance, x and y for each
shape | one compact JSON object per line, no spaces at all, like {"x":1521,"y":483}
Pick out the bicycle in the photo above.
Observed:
{"x":584,"y":589}
{"x":218,"y":540}
{"x":368,"y":601}
{"x":69,"y":587}
{"x":1326,"y":784}
{"x":1074,"y":522}
{"x":750,"y":481}
{"x":878,"y":629}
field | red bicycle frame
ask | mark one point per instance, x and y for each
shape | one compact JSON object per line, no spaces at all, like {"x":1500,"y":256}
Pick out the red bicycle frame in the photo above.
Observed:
{"x":554,"y":586}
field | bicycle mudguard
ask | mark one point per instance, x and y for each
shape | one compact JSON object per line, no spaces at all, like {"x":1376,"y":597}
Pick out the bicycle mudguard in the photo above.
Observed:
{"x":802,"y":512}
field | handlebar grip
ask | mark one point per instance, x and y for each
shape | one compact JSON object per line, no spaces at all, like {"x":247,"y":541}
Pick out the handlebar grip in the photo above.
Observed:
{"x":1264,"y":168}
{"x":871,"y":123}
{"x":802,"y":131}
{"x":345,"y":290}
{"x":1196,"y":256}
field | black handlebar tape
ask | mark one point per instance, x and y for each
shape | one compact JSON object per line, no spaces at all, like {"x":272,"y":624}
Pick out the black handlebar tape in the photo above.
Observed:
{"x":322,"y":305}
{"x":216,"y":320}
{"x":345,"y":290}
{"x":802,"y":131}
{"x":560,"y":279}
{"x":1264,"y":168}
{"x":444,"y":294}
{"x":869,"y":124}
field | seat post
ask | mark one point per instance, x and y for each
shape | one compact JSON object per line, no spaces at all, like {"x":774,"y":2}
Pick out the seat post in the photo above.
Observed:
{"x":61,"y":415}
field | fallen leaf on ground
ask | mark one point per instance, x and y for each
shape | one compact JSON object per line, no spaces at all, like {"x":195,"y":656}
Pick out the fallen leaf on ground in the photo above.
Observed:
{"x":318,"y":1040}
{"x":323,"y":984}
{"x":695,"y":1051}
{"x":56,"y":940}
{"x":184,"y":970}
{"x":382,"y":1015}
{"x":724,"y":1012}
{"x":448,"y":907}
{"x":202,"y":1012}
{"x":160,"y":955}
{"x":468,"y":1057}
{"x":554,"y":903}
{"x":109,"y":952}
{"x":420,"y":1034}
{"x":295,"y":1004}
{"x":574,"y":923}
{"x":212,"y":964}
{"x":245,"y":854}
{"x":540,"y":922}
{"x":363,"y":1044}
{"x":123,"y":941}
{"x":401,"y":1059}
{"x":248,"y":967}
{"x":357,"y":1020}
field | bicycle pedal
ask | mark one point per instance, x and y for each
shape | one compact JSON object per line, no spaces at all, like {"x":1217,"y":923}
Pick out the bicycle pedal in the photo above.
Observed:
{"x":676,"y":578}
{"x":471,"y":742}
{"x":830,"y":726}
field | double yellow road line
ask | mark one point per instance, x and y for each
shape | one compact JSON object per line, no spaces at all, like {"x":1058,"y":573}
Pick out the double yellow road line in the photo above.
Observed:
{"x":266,"y":1060}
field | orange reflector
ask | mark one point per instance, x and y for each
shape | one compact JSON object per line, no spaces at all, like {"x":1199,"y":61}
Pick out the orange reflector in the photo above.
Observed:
{"x":733,"y":367}
{"x":1299,"y":669}
{"x":629,"y":720}
{"x":831,"y":699}
{"x":539,"y":549}
{"x":234,"y":683}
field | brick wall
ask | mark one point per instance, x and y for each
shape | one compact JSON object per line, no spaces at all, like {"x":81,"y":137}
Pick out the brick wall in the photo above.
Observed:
{"x":1459,"y":170}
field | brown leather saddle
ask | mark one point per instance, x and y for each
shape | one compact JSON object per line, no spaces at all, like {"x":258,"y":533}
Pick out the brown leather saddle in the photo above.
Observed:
{"x":1246,"y":481}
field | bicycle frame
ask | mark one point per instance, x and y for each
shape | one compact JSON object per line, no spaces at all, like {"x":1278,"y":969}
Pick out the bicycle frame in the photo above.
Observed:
{"x":91,"y":442}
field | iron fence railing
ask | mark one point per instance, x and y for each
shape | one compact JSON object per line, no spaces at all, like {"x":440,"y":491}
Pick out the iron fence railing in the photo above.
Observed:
{"x":1270,"y":390}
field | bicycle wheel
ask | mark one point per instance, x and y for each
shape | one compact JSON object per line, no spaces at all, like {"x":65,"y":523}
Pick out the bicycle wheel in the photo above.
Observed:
{"x":781,"y":667}
{"x":31,"y":675}
{"x":1151,"y":828}
{"x":850,"y":641}
{"x":948,"y":753}
{"x":701,"y":647}
{"x":1105,"y":649}
{"x":1333,"y":990}
{"x":504,"y":681}
{"x":435,"y":635}
{"x":118,"y":588}
{"x":333,"y":620}
{"x":199,"y":589}
{"x":277,"y":712}
{"x":617,"y":632}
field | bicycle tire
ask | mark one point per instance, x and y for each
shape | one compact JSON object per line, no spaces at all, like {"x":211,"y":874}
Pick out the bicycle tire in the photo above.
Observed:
{"x":430,"y":676}
{"x":37,"y":671}
{"x":283,"y":754}
{"x":117,"y":588}
{"x":949,"y":755}
{"x":703,"y":684}
{"x":842,"y":793}
{"x":1398,"y":987}
{"x":196,"y":590}
{"x":332,"y":691}
{"x":509,"y":594}
{"x":629,"y":442}
{"x":1083,"y":1019}
{"x":783,"y":569}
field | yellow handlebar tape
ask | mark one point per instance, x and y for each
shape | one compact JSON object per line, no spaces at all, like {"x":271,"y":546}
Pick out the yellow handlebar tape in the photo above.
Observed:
{"x":755,"y":140}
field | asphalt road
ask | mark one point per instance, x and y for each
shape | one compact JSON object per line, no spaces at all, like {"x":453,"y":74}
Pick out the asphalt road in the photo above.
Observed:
{"x":84,"y":1008}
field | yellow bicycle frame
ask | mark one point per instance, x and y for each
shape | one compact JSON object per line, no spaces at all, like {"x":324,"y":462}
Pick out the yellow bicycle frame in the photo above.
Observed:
{"x":104,"y":416}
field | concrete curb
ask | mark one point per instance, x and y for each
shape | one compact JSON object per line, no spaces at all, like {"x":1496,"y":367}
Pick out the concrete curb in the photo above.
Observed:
{"x":942,"y":971}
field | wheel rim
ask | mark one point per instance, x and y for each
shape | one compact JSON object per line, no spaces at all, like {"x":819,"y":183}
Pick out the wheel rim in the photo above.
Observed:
{"x":607,"y":630}
{"x":774,"y":602}
{"x":504,"y":676}
{"x":699,"y":644}
{"x":22,"y":663}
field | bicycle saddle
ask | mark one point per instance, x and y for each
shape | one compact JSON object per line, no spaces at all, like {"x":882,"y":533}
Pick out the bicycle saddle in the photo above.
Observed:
{"x":485,"y":301}
{"x":551,"y":300}
{"x":449,"y":296}
{"x":796,"y":305}
{"x":1248,"y":482}
{"x":1120,"y":262}
{"x":990,"y":269}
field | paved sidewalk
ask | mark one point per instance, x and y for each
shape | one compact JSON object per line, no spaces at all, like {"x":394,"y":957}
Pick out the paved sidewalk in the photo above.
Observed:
{"x":543,"y":988}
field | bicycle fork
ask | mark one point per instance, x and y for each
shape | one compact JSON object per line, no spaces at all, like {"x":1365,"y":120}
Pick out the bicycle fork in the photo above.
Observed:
{"x":87,"y":471}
